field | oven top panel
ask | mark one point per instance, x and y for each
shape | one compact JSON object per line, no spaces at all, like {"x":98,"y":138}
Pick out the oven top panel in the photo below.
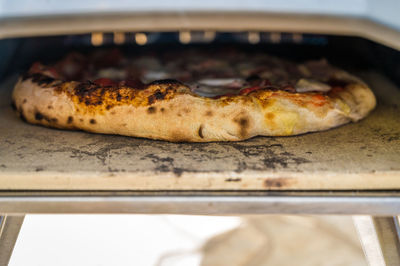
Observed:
{"x":371,"y":19}
{"x":363,"y":155}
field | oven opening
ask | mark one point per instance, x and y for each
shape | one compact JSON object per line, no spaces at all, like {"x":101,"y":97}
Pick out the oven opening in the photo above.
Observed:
{"x":341,"y":155}
{"x":343,"y":51}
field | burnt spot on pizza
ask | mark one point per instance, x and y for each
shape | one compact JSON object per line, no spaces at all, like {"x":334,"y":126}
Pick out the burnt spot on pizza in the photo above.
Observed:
{"x":81,"y":119}
{"x":200,"y":132}
{"x":92,"y":121}
{"x":186,"y":110}
{"x":265,"y":103}
{"x":151,"y":110}
{"x":209,"y":113}
{"x":162,"y":109}
{"x":96,"y":98}
{"x":24,"y":101}
{"x":243,"y":123}
{"x":159,"y":95}
{"x":70,"y":119}
{"x":49,"y":107}
{"x":119,"y":97}
{"x":39,"y":116}
{"x":270,"y":116}
{"x":151,"y":99}
{"x":113,"y":113}
{"x":165,"y":82}
{"x":39,"y":78}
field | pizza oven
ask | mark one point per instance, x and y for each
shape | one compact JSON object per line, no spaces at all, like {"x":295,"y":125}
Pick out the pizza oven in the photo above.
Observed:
{"x":352,"y":169}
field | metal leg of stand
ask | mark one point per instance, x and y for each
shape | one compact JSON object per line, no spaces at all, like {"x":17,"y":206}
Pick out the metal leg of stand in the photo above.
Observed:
{"x":380,"y":239}
{"x":9,"y":230}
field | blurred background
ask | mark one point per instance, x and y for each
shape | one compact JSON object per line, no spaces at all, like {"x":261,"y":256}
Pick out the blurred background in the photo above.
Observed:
{"x":187,"y":240}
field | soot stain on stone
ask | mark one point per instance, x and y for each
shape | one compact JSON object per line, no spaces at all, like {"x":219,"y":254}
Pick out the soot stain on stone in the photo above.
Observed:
{"x":101,"y":154}
{"x":267,"y":157}
{"x":165,"y":164}
{"x":233,"y":180}
{"x":390,"y":137}
{"x":178,"y":171}
{"x":162,"y":164}
{"x":278,"y":182}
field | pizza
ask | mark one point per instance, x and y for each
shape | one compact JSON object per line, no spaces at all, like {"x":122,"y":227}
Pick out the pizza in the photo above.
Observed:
{"x":190,"y":95}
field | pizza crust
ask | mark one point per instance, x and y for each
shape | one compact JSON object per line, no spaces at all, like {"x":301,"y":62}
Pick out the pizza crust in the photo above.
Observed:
{"x":170,"y":111}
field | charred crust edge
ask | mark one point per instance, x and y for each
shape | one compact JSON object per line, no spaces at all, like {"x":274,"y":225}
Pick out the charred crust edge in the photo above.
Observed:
{"x":38,"y":78}
{"x":165,"y":82}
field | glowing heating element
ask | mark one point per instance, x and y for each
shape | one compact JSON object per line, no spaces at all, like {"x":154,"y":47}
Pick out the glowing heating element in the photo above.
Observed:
{"x":97,"y":38}
{"x":119,"y":37}
{"x":141,"y":38}
{"x":275,"y":37}
{"x":297,"y":37}
{"x":254,"y":37}
{"x":209,"y":36}
{"x":185,"y":37}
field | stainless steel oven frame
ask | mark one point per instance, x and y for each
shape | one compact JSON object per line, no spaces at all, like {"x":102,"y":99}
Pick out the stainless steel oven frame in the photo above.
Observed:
{"x":375,"y":212}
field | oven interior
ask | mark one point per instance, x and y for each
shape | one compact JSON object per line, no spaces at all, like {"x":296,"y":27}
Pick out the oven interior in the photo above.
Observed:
{"x":349,"y":157}
{"x":344,"y":51}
